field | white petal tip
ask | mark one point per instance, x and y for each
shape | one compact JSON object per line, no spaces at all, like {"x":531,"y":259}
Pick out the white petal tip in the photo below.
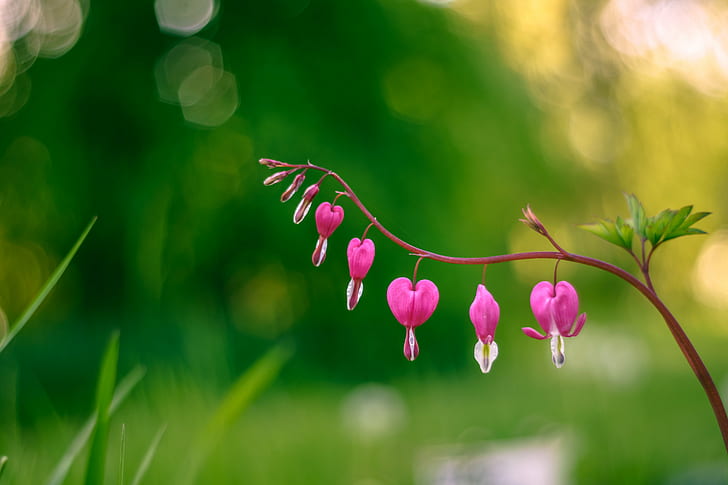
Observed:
{"x":485,"y":355}
{"x":557,"y":351}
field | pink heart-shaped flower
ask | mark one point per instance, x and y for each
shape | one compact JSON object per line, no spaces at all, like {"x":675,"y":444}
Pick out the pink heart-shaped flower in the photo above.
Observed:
{"x":412,"y":306}
{"x":328,"y":218}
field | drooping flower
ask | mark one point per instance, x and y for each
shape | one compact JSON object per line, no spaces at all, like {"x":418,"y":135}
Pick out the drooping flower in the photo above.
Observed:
{"x":305,"y":204}
{"x":328,"y":218}
{"x":484,"y":313}
{"x":556,"y":309}
{"x":361,"y":256}
{"x":412,"y":304}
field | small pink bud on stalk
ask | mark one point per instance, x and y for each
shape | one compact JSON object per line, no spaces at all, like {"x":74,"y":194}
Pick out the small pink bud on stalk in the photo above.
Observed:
{"x":267,"y":162}
{"x":295,"y":185}
{"x":328,"y":218}
{"x":276,"y":177}
{"x":556,"y":309}
{"x":484,"y":313}
{"x":360,"y":255}
{"x":412,"y":304}
{"x":532,"y":221}
{"x":305,"y":205}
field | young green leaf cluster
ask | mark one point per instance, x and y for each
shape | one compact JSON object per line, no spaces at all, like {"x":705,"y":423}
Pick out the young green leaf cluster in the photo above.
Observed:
{"x":668,"y":224}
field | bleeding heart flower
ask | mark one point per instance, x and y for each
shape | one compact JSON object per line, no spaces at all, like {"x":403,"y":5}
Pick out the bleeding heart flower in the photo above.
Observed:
{"x":328,"y":218}
{"x":556,"y":309}
{"x":361,"y":256}
{"x":412,"y":304}
{"x":484,"y":313}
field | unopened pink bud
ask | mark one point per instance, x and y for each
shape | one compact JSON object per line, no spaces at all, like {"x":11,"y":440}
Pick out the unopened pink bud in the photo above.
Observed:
{"x":305,"y":205}
{"x":295,"y":185}
{"x":267,"y":162}
{"x":276,"y":177}
{"x":319,"y":252}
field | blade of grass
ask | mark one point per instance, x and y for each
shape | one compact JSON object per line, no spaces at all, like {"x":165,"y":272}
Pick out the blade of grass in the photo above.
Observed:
{"x":79,"y":441}
{"x":147,"y":460}
{"x":122,"y":454}
{"x":3,"y":461}
{"x":46,"y":289}
{"x":104,"y":393}
{"x":245,"y":389}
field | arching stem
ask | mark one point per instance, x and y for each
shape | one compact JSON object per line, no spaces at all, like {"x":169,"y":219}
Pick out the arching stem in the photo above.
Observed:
{"x":647,"y":289}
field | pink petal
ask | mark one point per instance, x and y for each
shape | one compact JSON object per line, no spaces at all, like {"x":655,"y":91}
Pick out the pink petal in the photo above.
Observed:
{"x":401,"y":297}
{"x":542,"y":297}
{"x":530,"y":332}
{"x":484,"y":313}
{"x":426,"y":298}
{"x":579,"y":324}
{"x":328,"y":218}
{"x":361,"y":256}
{"x":565,"y":307}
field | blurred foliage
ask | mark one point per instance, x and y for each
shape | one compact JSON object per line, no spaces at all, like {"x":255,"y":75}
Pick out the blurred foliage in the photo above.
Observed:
{"x":445,"y":117}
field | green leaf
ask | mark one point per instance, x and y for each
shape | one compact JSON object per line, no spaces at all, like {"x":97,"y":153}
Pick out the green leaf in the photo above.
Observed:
{"x":693,"y":218}
{"x":104,"y":392}
{"x":684,"y":228}
{"x":60,"y":472}
{"x":605,"y":230}
{"x":637,"y":212}
{"x":46,"y":289}
{"x":147,"y":460}
{"x":122,"y":455}
{"x":245,"y":389}
{"x":678,"y":220}
{"x":657,"y":225}
{"x":626,"y":233}
{"x":611,"y":232}
{"x":3,"y":461}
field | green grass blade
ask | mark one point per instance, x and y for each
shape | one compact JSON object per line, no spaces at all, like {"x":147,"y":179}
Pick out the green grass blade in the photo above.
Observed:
{"x":3,"y":461}
{"x":104,"y":393}
{"x":122,"y":455}
{"x":46,"y":289}
{"x":60,"y":472}
{"x":147,"y":460}
{"x":245,"y":389}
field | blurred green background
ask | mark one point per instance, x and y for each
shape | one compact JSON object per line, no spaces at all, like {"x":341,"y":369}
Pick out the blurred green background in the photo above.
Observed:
{"x":446,"y":118}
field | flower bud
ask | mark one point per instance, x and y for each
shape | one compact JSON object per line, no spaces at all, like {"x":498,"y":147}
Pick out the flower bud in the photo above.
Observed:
{"x":295,"y":185}
{"x":305,"y":204}
{"x":276,"y":177}
{"x":267,"y":162}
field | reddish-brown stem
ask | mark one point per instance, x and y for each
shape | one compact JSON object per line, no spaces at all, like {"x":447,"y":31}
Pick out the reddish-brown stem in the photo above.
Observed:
{"x":647,"y":289}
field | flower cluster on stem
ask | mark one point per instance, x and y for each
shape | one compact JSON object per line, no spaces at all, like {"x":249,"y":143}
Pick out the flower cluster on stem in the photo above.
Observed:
{"x":554,"y":305}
